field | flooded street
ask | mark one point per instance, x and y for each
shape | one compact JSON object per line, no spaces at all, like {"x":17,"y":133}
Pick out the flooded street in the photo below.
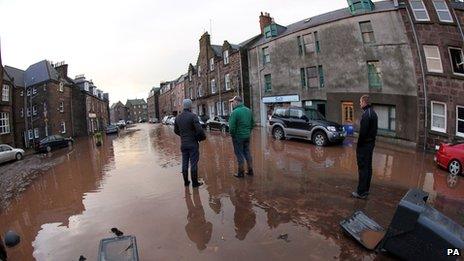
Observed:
{"x":290,"y":209}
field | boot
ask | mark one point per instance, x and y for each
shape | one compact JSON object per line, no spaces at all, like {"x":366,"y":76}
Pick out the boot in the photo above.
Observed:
{"x":250,"y":172}
{"x":186,"y":179}
{"x":240,"y":173}
{"x":195,"y":182}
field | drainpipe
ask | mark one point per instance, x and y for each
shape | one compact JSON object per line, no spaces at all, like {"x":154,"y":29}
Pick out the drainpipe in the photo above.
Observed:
{"x":423,"y":77}
{"x":219,"y":89}
{"x":241,"y":74}
{"x":261,"y":104}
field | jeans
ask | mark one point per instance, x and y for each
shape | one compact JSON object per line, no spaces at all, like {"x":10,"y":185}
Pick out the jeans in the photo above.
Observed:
{"x":190,"y":153}
{"x":242,"y":151}
{"x":364,"y":158}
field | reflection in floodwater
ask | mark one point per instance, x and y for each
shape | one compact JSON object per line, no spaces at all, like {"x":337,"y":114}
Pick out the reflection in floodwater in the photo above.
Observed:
{"x":133,"y":182}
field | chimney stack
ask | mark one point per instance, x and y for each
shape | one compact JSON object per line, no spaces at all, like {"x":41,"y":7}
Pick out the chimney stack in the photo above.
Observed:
{"x":62,"y":69}
{"x":265,"y":19}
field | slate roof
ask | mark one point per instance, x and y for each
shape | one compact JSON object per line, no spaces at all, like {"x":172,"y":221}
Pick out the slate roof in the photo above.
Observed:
{"x":40,"y":72}
{"x":217,"y":50}
{"x":136,"y":102}
{"x":343,"y":13}
{"x":16,"y":74}
{"x":116,"y":104}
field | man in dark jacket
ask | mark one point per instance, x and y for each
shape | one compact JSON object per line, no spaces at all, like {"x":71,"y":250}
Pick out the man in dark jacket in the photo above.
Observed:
{"x":188,"y":127}
{"x":240,"y":125}
{"x":365,"y":147}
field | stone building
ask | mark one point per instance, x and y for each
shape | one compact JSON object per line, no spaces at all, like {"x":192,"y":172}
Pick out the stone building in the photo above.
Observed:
{"x":6,"y":108}
{"x":96,"y":110}
{"x":220,"y":73}
{"x":178,"y":94}
{"x":118,"y":112}
{"x":153,"y":105}
{"x":19,"y":121}
{"x":435,"y":35}
{"x":328,"y":61}
{"x":137,"y":110}
{"x":166,"y":103}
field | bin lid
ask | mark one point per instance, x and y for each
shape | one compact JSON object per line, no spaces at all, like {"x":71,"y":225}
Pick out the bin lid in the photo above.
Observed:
{"x":365,"y":230}
{"x":122,"y":248}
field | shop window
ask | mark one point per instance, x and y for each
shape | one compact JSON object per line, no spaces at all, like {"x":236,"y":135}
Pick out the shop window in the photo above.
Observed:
{"x":347,"y":113}
{"x":438,"y":116}
{"x":457,"y":61}
{"x":386,"y":117}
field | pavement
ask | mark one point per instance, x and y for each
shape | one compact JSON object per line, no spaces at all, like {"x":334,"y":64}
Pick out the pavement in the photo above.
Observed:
{"x":290,"y":209}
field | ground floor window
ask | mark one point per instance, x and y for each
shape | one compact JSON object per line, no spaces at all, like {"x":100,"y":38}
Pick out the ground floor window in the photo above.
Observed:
{"x":386,"y":117}
{"x":438,"y":116}
{"x":36,"y":133}
{"x":30,"y":134}
{"x":347,"y":113}
{"x":460,"y":121}
{"x":63,"y":127}
{"x":4,"y":123}
{"x":225,"y":108}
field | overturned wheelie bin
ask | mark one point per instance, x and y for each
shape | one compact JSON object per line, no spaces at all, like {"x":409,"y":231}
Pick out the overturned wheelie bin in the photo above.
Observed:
{"x":416,"y":232}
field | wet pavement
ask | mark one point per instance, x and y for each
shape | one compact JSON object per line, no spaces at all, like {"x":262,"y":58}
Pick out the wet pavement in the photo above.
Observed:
{"x":290,"y":209}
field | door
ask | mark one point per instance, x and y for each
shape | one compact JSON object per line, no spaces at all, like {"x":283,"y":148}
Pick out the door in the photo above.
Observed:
{"x":321,"y":108}
{"x":297,"y":123}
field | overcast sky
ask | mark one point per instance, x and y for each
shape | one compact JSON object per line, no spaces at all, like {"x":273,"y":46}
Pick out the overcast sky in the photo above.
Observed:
{"x":127,"y":47}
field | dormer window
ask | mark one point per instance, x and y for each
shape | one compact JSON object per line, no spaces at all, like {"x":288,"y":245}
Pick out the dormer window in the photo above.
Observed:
{"x":360,"y":6}
{"x":270,"y":31}
{"x":225,"y":54}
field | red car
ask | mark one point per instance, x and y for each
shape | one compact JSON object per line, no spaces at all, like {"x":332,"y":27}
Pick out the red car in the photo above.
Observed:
{"x":450,"y":157}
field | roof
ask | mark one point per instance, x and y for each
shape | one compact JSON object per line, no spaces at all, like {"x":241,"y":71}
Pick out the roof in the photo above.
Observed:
{"x":249,"y":41}
{"x":119,"y":103}
{"x":136,"y":102}
{"x":343,"y":13}
{"x":457,"y":5}
{"x":40,"y":72}
{"x":16,"y":74}
{"x":217,"y":50}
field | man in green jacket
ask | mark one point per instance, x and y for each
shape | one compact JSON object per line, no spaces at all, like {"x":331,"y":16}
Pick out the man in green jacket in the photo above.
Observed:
{"x":240,"y":125}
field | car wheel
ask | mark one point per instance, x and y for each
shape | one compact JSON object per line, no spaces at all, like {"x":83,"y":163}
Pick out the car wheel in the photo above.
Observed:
{"x":19,"y":156}
{"x":278,"y":133}
{"x":455,"y":167}
{"x":223,"y":129}
{"x":319,"y":138}
{"x":48,"y":148}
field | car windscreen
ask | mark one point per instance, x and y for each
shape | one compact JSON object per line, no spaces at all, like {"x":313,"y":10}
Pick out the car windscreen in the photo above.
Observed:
{"x":314,"y":115}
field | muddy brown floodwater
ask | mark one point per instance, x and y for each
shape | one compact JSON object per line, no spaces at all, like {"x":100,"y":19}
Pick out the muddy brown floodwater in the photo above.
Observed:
{"x":299,"y":193}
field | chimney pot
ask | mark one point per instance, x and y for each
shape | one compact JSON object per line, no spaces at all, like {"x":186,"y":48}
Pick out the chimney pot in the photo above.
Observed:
{"x":265,"y":20}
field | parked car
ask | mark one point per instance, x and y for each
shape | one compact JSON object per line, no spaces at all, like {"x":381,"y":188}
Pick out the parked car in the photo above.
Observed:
{"x":218,"y":123}
{"x":111,"y":129}
{"x":121,"y":124}
{"x":451,"y":157}
{"x":165,"y":119}
{"x":202,"y":123}
{"x":129,"y":122}
{"x":305,"y":123}
{"x":53,"y":142}
{"x":171,"y":120}
{"x":8,"y":153}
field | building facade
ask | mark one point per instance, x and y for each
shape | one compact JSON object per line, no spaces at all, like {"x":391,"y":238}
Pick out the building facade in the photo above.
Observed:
{"x":153,"y":105}
{"x":435,"y":35}
{"x":329,"y":61}
{"x":19,"y":121}
{"x":137,"y":110}
{"x":118,"y":112}
{"x":166,"y":103}
{"x":178,"y":94}
{"x":6,"y":109}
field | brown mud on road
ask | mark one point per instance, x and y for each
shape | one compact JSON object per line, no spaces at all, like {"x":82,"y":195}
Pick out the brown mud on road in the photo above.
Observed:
{"x":299,"y":193}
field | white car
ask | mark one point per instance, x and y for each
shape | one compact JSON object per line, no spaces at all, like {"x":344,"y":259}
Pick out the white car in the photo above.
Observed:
{"x":171,"y":120}
{"x":8,"y":153}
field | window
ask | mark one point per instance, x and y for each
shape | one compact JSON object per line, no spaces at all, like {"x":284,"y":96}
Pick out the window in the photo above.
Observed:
{"x":304,"y":83}
{"x":296,"y":113}
{"x":63,"y":127}
{"x":460,"y":121}
{"x":309,"y":46}
{"x":347,"y":113}
{"x":270,"y":31}
{"x":199,"y":70}
{"x":227,"y":82}
{"x":419,"y":10}
{"x":28,"y":91}
{"x":267,"y":83}
{"x":200,"y":90}
{"x":4,"y":123}
{"x":300,"y":45}
{"x":21,"y":93}
{"x":386,"y":117}
{"x":36,"y":133}
{"x":30,"y":134}
{"x":28,"y":112}
{"x":34,"y":110}
{"x":225,"y":54}
{"x":374,"y":74}
{"x":442,"y":11}
{"x":211,"y":64}
{"x":61,"y":106}
{"x":61,"y":87}
{"x":321,"y":76}
{"x":6,"y":93}
{"x":438,"y":116}
{"x":367,"y":32}
{"x":433,"y":58}
{"x":190,"y":76}
{"x":266,"y":56}
{"x":311,"y":74}
{"x":86,"y":86}
{"x":318,"y":45}
{"x":457,"y":60}
{"x":21,"y":112}
{"x":213,"y":86}
{"x":34,"y":91}
{"x":280,"y":112}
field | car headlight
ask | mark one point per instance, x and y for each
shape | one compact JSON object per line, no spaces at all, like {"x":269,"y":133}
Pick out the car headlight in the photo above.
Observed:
{"x":437,"y":147}
{"x":332,"y":128}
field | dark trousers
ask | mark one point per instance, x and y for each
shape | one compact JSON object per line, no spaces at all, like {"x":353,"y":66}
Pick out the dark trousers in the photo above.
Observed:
{"x":190,"y":153}
{"x":242,"y":152}
{"x":364,"y":158}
